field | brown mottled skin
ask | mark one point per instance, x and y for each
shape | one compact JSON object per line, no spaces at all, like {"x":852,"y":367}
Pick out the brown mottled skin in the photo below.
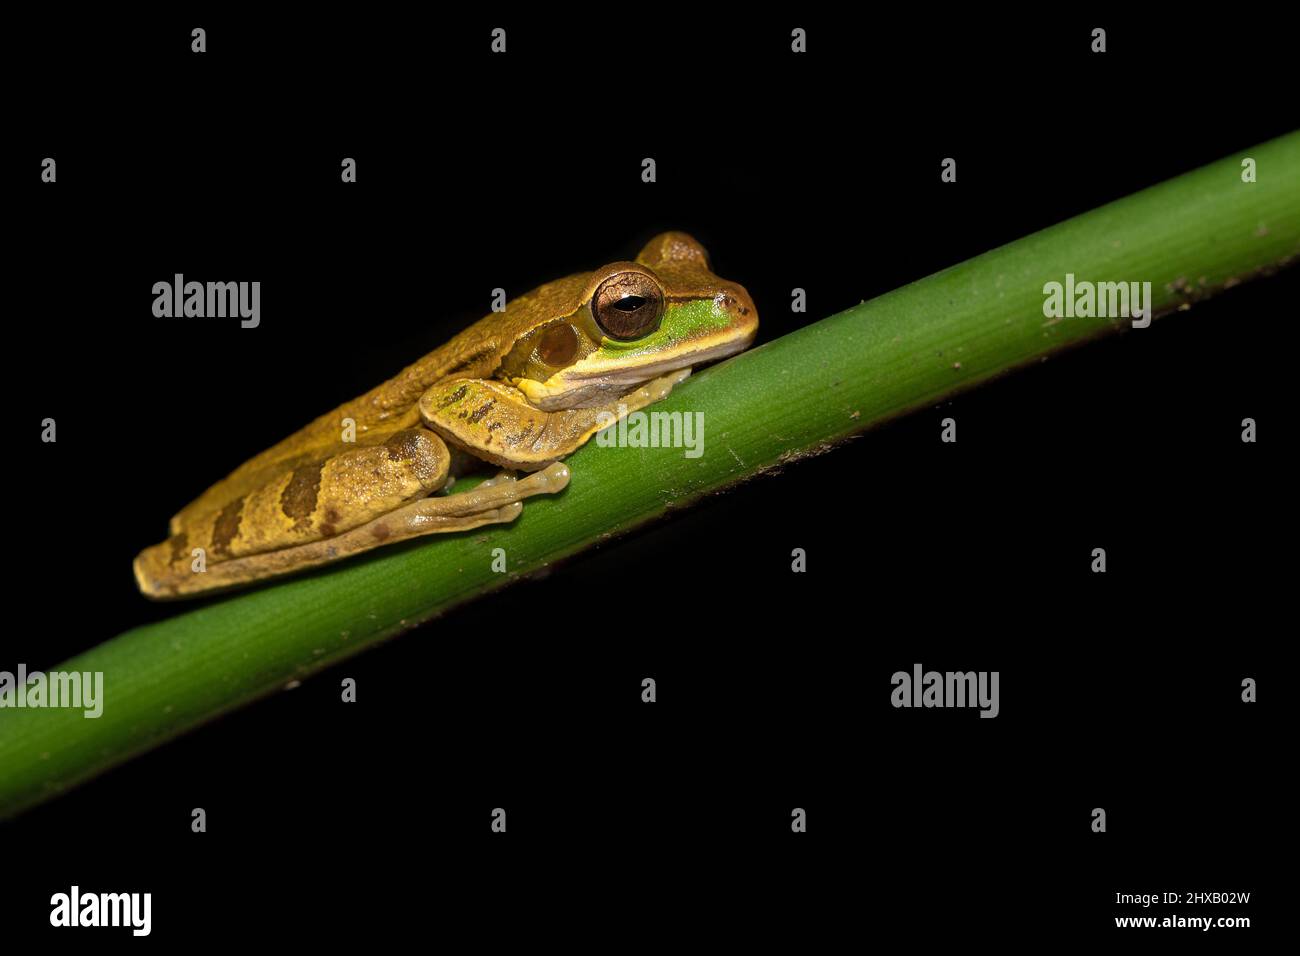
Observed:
{"x":481,"y":394}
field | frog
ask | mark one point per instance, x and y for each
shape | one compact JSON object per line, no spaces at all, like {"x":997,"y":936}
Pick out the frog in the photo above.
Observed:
{"x":517,"y":392}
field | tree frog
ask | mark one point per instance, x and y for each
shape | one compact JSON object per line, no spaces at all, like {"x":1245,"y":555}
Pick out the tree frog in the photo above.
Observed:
{"x":519,"y":389}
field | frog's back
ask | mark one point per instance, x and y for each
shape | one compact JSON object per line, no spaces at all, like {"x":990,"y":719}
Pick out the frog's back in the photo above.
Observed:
{"x":475,"y":352}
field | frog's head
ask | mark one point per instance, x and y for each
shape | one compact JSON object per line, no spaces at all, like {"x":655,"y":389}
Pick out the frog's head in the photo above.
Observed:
{"x":635,"y":321}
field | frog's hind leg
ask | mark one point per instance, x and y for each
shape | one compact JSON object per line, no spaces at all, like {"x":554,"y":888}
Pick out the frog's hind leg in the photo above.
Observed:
{"x":495,"y":501}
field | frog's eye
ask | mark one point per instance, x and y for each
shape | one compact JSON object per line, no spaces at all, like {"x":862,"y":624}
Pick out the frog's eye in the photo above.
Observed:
{"x":628,"y":305}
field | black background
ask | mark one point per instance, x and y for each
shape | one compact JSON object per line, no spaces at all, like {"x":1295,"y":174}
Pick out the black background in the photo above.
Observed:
{"x":333,"y":823}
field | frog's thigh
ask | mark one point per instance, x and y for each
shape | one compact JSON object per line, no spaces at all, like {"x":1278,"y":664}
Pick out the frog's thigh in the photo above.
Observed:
{"x":492,"y":502}
{"x":315,"y":501}
{"x":498,"y":423}
{"x":317,"y":442}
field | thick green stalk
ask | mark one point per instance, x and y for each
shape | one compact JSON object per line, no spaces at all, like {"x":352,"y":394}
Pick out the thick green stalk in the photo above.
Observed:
{"x":1188,"y":237}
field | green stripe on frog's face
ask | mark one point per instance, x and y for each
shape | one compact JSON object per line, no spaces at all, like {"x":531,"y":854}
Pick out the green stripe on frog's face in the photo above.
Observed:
{"x":692,"y":331}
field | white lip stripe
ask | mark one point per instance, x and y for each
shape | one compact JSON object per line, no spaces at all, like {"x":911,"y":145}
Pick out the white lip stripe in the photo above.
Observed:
{"x":643,"y":373}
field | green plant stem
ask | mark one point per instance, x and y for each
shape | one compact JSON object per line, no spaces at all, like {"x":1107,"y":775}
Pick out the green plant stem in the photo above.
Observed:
{"x":1188,"y":237}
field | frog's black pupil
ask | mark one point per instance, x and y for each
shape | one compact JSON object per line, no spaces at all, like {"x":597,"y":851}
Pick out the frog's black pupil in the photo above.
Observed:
{"x":629,"y":303}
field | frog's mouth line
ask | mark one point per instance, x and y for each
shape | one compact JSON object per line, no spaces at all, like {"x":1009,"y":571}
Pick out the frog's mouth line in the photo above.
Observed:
{"x":633,"y":377}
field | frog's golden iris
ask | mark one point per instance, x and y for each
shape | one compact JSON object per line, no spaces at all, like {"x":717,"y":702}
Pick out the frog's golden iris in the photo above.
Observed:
{"x":628,"y":305}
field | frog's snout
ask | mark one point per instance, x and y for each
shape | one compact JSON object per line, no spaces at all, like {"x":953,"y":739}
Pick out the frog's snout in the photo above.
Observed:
{"x":738,"y":304}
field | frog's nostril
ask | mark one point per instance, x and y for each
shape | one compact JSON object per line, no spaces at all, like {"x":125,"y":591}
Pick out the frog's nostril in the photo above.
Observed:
{"x":731,"y":302}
